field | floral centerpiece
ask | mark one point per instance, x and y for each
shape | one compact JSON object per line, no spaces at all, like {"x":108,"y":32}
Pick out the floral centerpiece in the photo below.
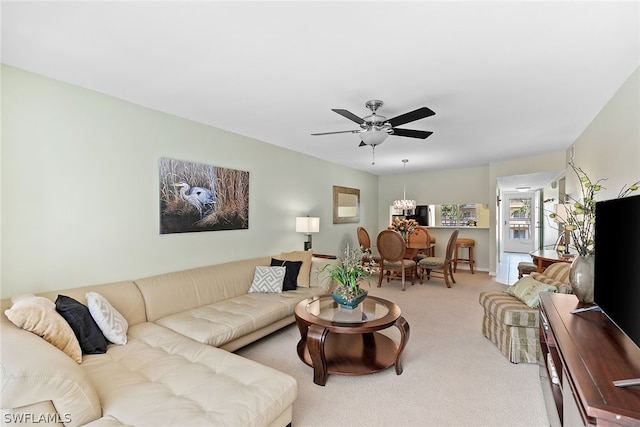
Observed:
{"x":404,"y":226}
{"x":580,"y":217}
{"x":349,"y":274}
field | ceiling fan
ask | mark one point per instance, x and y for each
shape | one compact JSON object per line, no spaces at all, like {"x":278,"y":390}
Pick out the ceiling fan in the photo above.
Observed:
{"x":375,"y":128}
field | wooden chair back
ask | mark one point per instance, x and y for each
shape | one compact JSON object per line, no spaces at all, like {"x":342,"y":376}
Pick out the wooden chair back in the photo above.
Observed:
{"x":363,"y":238}
{"x":419,"y":235}
{"x":451,"y":246}
{"x":391,"y":245}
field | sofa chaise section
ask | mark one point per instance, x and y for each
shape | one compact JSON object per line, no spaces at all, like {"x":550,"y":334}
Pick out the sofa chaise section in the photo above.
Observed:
{"x":163,"y":378}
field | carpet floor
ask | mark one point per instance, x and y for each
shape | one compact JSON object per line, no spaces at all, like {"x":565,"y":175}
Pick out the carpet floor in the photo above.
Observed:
{"x":453,"y":375}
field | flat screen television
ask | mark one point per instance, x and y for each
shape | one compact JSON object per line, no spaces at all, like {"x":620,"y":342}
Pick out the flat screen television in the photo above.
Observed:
{"x":616,"y":283}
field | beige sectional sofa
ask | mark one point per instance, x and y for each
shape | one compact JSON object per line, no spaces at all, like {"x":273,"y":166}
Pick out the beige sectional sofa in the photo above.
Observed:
{"x":176,"y":367}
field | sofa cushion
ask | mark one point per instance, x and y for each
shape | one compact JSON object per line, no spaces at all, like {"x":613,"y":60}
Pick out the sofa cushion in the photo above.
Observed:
{"x":112,"y":324}
{"x":291,"y":275}
{"x":268,"y":279}
{"x":38,"y":378}
{"x":89,"y":335}
{"x":528,"y":291}
{"x":39,"y":315}
{"x":556,"y":272}
{"x":179,"y":291}
{"x":163,"y":378}
{"x":319,"y":276}
{"x":304,"y":275}
{"x":225,"y":321}
{"x":123,"y":296}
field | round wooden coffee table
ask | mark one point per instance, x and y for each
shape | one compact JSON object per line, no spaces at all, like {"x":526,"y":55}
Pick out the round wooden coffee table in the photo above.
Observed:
{"x":335,"y":340}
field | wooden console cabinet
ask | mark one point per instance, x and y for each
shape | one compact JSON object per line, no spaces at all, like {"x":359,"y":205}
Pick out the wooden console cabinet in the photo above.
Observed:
{"x":584,"y":353}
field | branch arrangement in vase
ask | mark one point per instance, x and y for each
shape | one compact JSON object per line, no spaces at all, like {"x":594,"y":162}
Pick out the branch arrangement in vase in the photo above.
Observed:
{"x":581,"y":215}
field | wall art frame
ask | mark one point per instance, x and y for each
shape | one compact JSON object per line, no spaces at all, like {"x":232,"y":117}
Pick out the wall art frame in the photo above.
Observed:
{"x":346,"y":205}
{"x":199,"y":197}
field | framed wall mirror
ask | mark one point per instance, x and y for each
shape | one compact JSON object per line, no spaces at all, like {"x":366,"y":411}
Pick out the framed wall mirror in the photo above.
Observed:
{"x":346,"y":205}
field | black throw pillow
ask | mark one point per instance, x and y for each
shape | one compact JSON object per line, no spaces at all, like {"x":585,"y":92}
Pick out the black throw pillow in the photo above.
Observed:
{"x":77,"y":315}
{"x":291,"y":275}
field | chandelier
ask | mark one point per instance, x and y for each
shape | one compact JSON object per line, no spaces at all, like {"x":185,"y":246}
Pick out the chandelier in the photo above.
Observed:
{"x":404,"y":204}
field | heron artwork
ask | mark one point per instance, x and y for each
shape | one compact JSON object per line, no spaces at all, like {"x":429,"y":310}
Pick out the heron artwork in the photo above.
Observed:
{"x":201,"y":198}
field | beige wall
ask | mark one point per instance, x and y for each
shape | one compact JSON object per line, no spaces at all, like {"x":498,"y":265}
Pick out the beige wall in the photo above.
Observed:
{"x":610,"y":146}
{"x":466,"y":185}
{"x":80,"y":198}
{"x":80,"y":201}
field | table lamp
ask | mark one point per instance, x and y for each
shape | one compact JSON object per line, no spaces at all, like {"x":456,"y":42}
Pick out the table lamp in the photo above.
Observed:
{"x":307,"y":225}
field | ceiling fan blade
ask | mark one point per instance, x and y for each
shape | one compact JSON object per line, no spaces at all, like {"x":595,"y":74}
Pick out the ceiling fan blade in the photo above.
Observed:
{"x":349,"y":115}
{"x":411,"y":116}
{"x":411,"y":133}
{"x":340,"y":131}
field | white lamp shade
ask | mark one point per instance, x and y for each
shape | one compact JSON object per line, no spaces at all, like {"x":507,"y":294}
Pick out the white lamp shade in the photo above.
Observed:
{"x":307,"y":224}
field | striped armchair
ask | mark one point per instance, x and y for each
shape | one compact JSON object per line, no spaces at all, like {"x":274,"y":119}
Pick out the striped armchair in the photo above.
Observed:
{"x":511,"y":324}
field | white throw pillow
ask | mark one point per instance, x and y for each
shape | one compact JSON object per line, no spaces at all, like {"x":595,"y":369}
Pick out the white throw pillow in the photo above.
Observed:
{"x":112,"y":324}
{"x":268,"y":279}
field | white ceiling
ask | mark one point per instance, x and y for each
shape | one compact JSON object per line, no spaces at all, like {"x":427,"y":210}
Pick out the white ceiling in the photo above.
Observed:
{"x":506,"y":79}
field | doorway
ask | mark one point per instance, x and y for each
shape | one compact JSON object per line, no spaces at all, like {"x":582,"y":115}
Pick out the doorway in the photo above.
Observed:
{"x":520,"y":222}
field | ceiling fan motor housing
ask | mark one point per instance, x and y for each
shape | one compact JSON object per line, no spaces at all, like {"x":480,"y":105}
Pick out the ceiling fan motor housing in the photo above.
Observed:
{"x":375,"y":128}
{"x":374,"y":121}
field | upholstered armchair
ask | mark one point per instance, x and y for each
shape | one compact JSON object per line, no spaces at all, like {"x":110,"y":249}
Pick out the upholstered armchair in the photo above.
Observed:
{"x":511,"y":319}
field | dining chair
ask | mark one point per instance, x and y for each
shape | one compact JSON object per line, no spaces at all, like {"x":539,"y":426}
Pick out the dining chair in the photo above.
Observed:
{"x":365,"y":244}
{"x":421,"y":236}
{"x":440,"y":265}
{"x":391,"y":247}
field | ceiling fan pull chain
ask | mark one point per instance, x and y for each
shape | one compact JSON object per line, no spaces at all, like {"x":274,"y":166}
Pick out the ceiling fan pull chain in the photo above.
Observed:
{"x":373,"y":154}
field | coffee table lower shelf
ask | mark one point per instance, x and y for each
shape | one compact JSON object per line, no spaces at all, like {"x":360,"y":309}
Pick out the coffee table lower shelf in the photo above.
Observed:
{"x":347,"y":354}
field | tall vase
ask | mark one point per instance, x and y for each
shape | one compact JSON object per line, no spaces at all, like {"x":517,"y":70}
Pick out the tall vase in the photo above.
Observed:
{"x":581,"y":278}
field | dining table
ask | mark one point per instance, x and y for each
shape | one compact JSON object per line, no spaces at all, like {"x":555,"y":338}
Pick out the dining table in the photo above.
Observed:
{"x":545,"y":257}
{"x":413,"y":248}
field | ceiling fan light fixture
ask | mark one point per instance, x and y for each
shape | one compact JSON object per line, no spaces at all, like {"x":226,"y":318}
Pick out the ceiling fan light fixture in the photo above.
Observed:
{"x":373,"y":137}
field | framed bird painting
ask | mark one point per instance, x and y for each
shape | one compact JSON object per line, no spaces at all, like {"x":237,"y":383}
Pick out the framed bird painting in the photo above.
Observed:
{"x":198,"y":197}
